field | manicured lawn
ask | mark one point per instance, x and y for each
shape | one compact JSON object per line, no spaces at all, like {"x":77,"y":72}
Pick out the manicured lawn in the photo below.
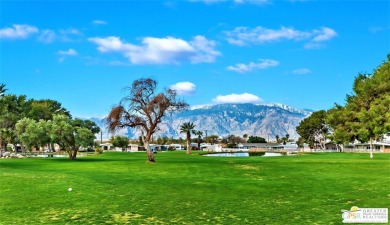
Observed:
{"x":120,"y":188}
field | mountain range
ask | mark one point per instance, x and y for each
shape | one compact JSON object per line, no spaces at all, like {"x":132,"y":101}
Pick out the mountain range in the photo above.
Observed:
{"x":224,"y":119}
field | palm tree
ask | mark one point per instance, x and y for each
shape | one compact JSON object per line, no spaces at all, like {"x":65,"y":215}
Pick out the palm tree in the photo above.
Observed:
{"x":199,"y":134}
{"x":187,"y":128}
{"x":277,"y":138}
{"x":2,"y":90}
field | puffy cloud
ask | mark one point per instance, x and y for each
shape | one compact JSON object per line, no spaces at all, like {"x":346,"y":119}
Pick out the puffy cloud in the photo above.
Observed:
{"x":168,"y":50}
{"x":259,"y":35}
{"x":301,"y":71}
{"x":111,"y":44}
{"x":245,"y":68}
{"x":23,"y":31}
{"x":18,"y":31}
{"x":184,"y":88}
{"x":205,"y":50}
{"x":238,"y":98}
{"x":324,"y":34}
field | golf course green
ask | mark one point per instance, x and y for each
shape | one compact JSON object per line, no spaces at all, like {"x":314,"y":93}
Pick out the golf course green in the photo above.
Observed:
{"x":121,"y":188}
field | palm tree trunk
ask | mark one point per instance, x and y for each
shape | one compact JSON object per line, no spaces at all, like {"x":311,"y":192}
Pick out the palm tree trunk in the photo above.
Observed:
{"x":188,"y":143}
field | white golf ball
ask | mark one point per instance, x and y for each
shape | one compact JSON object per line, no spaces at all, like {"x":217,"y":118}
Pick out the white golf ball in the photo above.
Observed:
{"x":69,"y":189}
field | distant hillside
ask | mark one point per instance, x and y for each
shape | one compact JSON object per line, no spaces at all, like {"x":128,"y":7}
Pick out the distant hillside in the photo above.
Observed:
{"x":261,"y":120}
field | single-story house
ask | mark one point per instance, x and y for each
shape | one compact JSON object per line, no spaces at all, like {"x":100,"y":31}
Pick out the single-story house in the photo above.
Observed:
{"x":383,"y":147}
{"x":268,"y":146}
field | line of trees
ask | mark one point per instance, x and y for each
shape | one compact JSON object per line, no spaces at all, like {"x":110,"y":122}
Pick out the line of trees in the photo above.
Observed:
{"x":365,"y":117}
{"x":144,"y":108}
{"x":36,"y":124}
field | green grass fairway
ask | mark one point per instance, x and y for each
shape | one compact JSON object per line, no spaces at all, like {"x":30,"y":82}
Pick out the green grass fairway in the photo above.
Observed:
{"x":121,"y":188}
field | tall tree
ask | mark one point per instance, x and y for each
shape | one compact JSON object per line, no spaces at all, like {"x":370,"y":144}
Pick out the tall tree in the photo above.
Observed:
{"x":314,"y":129}
{"x":12,"y":109}
{"x":33,"y":134}
{"x":277,"y":138}
{"x":188,"y":128}
{"x":144,"y":109}
{"x":90,"y":125}
{"x":285,"y":139}
{"x":69,"y":137}
{"x":341,"y":132}
{"x":8,"y":136}
{"x":120,"y":141}
{"x":44,"y":109}
{"x":256,"y":139}
{"x":162,"y":140}
{"x":366,"y":115}
{"x":245,"y":136}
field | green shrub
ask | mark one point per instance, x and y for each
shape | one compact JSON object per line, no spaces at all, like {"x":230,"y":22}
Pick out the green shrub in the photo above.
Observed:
{"x":98,"y":150}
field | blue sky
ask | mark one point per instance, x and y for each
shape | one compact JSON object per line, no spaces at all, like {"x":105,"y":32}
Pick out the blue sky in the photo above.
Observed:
{"x":83,"y":53}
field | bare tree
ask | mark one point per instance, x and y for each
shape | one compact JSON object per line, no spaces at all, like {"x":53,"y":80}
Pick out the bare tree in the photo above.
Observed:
{"x":144,"y":109}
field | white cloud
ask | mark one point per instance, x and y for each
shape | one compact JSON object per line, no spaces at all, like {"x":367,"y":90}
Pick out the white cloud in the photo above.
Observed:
{"x":99,"y":22}
{"x":205,"y":50}
{"x":18,"y":31}
{"x":208,"y":1}
{"x":111,"y":44}
{"x":64,"y":54}
{"x":70,"y":31}
{"x":314,"y":45}
{"x":168,"y":50}
{"x":69,"y":52}
{"x":238,"y":98}
{"x":259,"y":35}
{"x":258,"y":2}
{"x":184,"y":88}
{"x":324,"y":34}
{"x":245,"y":68}
{"x":47,"y":36}
{"x":301,"y":71}
{"x":65,"y":35}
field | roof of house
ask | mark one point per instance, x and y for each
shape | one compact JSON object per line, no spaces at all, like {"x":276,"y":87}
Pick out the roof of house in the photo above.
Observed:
{"x":259,"y":145}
